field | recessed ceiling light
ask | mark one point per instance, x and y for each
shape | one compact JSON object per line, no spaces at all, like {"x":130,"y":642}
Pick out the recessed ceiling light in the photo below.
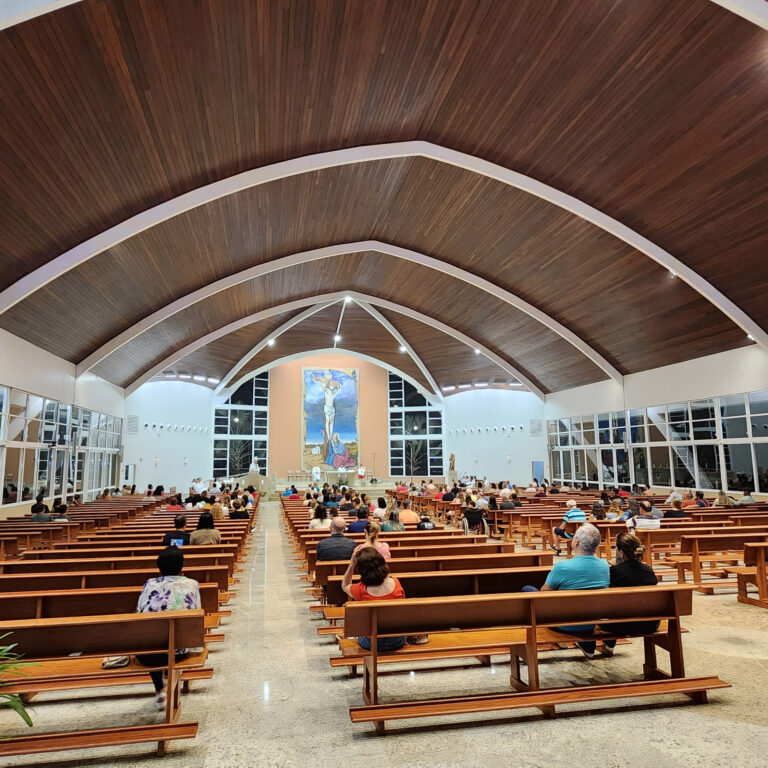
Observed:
{"x":184,"y":376}
{"x":402,"y":348}
{"x":213,"y":381}
{"x":347,"y":299}
{"x":672,"y":274}
{"x":465,"y":386}
{"x":481,"y":383}
{"x":477,"y":351}
{"x":270,"y":342}
{"x":448,"y":389}
{"x":170,"y":375}
{"x":197,"y":377}
{"x":337,"y":337}
{"x":750,"y":337}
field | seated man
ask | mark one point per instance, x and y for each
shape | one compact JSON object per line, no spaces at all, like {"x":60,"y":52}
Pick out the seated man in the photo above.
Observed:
{"x":346,"y":504}
{"x":337,"y":546}
{"x":582,"y":571}
{"x":40,"y":512}
{"x":511,"y":502}
{"x":407,"y":515}
{"x":572,"y":513}
{"x":60,"y":515}
{"x":178,"y":534}
{"x":747,"y":498}
{"x":359,"y":525}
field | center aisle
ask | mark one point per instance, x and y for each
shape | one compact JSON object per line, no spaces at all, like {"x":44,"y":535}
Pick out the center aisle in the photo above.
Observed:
{"x":275,"y":701}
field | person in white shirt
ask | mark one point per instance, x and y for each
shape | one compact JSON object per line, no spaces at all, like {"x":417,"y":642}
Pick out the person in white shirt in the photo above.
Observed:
{"x":675,"y":494}
{"x":505,"y":493}
{"x":255,"y":465}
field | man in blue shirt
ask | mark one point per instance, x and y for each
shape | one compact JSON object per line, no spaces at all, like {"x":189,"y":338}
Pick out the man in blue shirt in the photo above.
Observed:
{"x":572,"y":513}
{"x":359,"y":525}
{"x":582,"y":571}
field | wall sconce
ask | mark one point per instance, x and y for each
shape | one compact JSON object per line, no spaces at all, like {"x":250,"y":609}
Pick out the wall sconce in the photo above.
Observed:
{"x":509,"y":458}
{"x":475,"y":458}
{"x":156,"y":460}
{"x":186,"y":459}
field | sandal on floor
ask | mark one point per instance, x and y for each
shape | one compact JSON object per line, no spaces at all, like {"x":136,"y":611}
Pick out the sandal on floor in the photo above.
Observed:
{"x":417,"y":639}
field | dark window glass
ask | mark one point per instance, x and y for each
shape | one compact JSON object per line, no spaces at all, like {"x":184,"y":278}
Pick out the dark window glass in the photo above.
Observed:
{"x":637,"y":426}
{"x":240,"y":456}
{"x":240,"y":422}
{"x":622,"y":467}
{"x":733,"y":405}
{"x":703,"y":409}
{"x":604,"y":428}
{"x":412,"y":396}
{"x":640,"y":460}
{"x":761,"y":457}
{"x":704,"y":430}
{"x":657,"y":423}
{"x":759,"y":426}
{"x":606,"y":465}
{"x":708,"y":460}
{"x":243,"y":395}
{"x":592,"y":471}
{"x":738,"y":465}
{"x":660,"y":474}
{"x":733,"y":428}
{"x":416,"y":457}
{"x":556,"y":471}
{"x":682,"y":459}
{"x":415,"y":422}
{"x":758,"y":402}
{"x":567,"y":465}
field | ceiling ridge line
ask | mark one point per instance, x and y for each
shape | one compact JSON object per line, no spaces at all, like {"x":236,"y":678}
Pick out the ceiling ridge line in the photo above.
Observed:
{"x":400,"y":338}
{"x":235,"y":325}
{"x":286,"y":326}
{"x":58,"y":266}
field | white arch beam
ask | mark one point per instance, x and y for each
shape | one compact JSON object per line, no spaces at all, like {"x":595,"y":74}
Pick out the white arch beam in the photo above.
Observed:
{"x":376,"y":315}
{"x":332,"y":350}
{"x":329,"y":297}
{"x":337,"y":250}
{"x":274,"y":335}
{"x":310,"y":163}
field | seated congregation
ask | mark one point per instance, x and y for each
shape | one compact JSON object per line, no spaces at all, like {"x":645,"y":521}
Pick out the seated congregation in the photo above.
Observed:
{"x":418,"y":577}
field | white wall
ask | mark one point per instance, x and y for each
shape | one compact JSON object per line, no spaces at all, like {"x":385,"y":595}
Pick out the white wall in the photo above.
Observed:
{"x":183,"y":454}
{"x":34,"y":370}
{"x":726,"y":373}
{"x":479,"y":409}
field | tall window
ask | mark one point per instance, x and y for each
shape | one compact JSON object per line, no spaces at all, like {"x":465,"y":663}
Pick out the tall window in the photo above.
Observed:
{"x":55,"y":448}
{"x":415,"y":432}
{"x":706,"y":444}
{"x":240,"y":429}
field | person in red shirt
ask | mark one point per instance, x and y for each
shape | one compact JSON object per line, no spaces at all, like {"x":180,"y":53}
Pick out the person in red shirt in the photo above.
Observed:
{"x":375,"y":584}
{"x":688,"y":501}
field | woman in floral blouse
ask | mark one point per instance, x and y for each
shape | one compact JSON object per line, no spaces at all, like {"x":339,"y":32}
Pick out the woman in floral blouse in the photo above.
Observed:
{"x":168,"y":592}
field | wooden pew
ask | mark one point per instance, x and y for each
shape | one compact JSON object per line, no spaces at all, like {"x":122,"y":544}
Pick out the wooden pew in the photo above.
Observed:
{"x":516,"y":624}
{"x":49,"y":643}
{"x":97,"y":602}
{"x":402,"y":549}
{"x":724,"y":549}
{"x":93,"y":579}
{"x":326,"y":568}
{"x":753,"y":572}
{"x":126,"y":551}
{"x":112,"y":563}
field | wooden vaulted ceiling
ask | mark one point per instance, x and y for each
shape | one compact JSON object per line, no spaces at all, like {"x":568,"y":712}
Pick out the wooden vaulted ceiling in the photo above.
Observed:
{"x":653,"y":112}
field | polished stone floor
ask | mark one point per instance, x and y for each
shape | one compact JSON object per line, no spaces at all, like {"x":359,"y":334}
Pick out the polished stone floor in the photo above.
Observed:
{"x":275,"y":701}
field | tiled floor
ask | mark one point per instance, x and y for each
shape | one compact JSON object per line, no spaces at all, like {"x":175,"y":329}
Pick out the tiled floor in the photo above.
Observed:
{"x":275,"y":701}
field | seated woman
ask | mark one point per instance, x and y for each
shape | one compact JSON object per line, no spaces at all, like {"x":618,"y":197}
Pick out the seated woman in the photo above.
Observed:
{"x":393,"y":522}
{"x":375,"y":584}
{"x":320,"y":520}
{"x":217,"y":512}
{"x":381,"y":507}
{"x":169,"y":592}
{"x":307,"y":499}
{"x":372,"y":531}
{"x":629,"y":571}
{"x":599,"y":512}
{"x":206,"y":532}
